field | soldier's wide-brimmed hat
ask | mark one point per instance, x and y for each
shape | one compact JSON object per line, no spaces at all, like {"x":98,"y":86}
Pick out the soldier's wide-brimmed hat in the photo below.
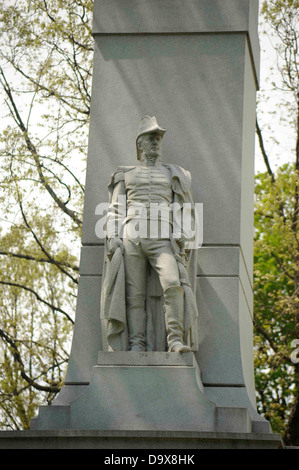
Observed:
{"x":148,"y":125}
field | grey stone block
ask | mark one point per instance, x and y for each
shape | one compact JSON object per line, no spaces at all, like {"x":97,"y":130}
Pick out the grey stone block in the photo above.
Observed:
{"x":212,"y":261}
{"x":144,"y":397}
{"x":219,"y":355}
{"x":175,"y":16}
{"x":91,"y":262}
{"x":171,"y":16}
{"x":139,"y":358}
{"x":52,"y":417}
{"x":226,"y":261}
{"x":233,"y":420}
{"x":87,"y":340}
{"x":261,"y":426}
{"x":151,"y":391}
{"x":83,"y":439}
{"x":237,"y":397}
{"x":69,"y":393}
{"x":218,"y":260}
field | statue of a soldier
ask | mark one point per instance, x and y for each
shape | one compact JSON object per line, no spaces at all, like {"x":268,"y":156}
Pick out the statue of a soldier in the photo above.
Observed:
{"x":150,"y":227}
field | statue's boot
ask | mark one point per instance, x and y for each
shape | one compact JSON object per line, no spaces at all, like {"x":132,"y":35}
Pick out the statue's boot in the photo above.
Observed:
{"x":174,"y":318}
{"x":136,"y":319}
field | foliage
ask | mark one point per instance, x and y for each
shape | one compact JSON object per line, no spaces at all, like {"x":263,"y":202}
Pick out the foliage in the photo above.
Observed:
{"x":45,"y":73}
{"x":276,"y":282}
{"x":282,"y":16}
{"x":276,"y":301}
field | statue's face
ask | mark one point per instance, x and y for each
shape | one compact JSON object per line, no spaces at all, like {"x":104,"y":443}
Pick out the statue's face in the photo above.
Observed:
{"x":151,"y":144}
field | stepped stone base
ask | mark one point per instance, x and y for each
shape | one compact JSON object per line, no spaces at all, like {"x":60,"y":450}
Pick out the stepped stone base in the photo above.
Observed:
{"x":142,"y":391}
{"x":136,"y":400}
{"x":147,"y":398}
{"x":175,"y":440}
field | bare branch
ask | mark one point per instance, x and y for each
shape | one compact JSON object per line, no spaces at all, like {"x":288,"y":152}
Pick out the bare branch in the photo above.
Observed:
{"x":28,"y":289}
{"x":34,"y":154}
{"x":39,"y":260}
{"x":263,"y":150}
{"x":58,"y":265}
{"x":29,"y":380}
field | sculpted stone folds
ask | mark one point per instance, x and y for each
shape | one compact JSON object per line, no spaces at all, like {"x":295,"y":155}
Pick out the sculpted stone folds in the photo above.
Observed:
{"x":148,"y":300}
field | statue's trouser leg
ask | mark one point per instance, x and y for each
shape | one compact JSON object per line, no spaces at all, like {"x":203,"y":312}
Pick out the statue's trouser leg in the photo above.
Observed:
{"x":162,"y":259}
{"x":136,"y":274}
{"x":136,"y":319}
{"x":174,"y":318}
{"x":160,"y":255}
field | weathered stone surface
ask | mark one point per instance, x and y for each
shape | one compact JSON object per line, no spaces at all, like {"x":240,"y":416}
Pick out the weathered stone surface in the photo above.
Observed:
{"x":143,"y":398}
{"x":150,"y":391}
{"x":82,"y":439}
{"x":175,"y":16}
{"x":137,"y":358}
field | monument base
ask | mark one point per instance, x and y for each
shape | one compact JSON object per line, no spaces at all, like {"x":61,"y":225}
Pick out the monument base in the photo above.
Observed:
{"x":131,"y":440}
{"x":140,"y":399}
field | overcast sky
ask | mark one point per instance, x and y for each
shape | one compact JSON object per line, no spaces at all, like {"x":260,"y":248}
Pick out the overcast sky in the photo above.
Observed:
{"x":270,"y":115}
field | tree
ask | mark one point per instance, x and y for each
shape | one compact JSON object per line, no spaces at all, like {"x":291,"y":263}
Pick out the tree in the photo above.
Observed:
{"x":275,"y":297}
{"x":276,"y":286}
{"x":45,"y":74}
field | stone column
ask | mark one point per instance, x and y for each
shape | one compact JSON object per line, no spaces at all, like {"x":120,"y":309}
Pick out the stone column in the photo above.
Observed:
{"x":194,"y":64}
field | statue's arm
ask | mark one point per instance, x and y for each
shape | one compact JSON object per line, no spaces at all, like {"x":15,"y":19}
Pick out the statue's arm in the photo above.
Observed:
{"x":117,"y":212}
{"x":183,"y":208}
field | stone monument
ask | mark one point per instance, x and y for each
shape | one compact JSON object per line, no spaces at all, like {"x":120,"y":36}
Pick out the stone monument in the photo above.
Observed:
{"x":195,"y":66}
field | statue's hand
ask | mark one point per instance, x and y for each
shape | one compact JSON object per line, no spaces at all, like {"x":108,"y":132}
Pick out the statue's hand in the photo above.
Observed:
{"x":113,"y":244}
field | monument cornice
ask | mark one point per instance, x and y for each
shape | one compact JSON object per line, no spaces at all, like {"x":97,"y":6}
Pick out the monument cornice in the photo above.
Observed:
{"x":156,"y":17}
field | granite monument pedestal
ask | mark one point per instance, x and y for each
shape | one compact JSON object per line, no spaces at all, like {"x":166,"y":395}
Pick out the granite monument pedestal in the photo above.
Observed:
{"x":143,"y":400}
{"x":195,"y":66}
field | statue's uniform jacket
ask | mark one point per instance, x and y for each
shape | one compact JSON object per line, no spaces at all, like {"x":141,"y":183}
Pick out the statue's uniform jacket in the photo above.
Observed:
{"x":133,"y":191}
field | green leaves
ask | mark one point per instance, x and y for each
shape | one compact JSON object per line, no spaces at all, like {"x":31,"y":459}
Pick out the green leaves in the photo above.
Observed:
{"x":45,"y":70}
{"x":275,"y":293}
{"x":276,"y":224}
